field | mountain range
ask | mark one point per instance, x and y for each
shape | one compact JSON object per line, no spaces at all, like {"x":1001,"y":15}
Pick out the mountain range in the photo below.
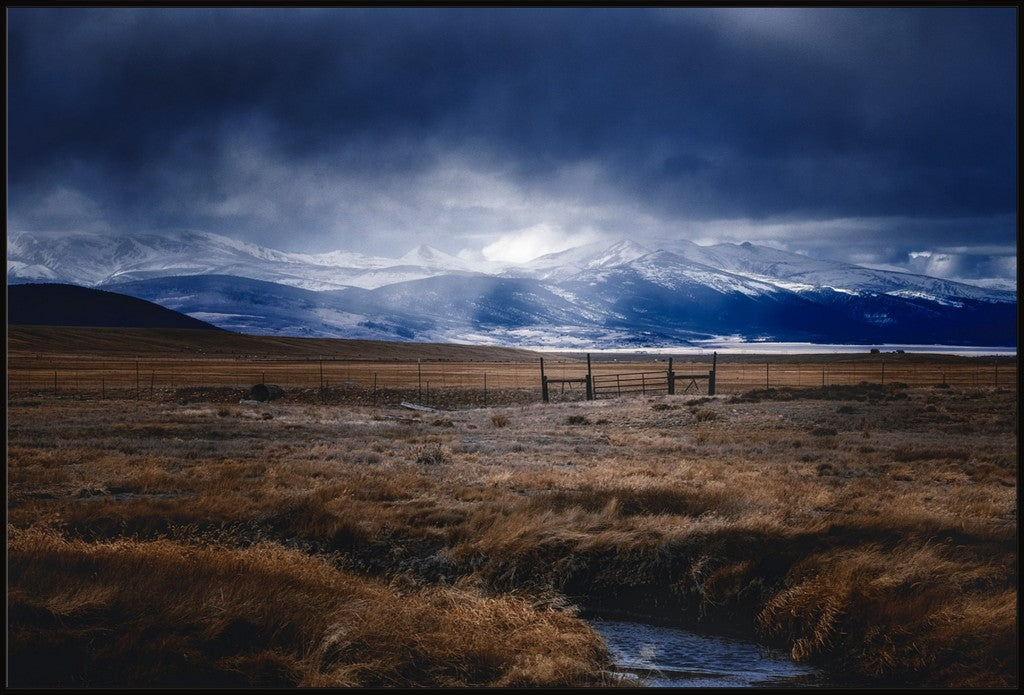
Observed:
{"x":597,"y":295}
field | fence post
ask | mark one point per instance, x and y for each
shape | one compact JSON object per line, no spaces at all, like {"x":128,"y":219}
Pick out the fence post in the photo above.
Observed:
{"x":997,"y":374}
{"x":590,"y":380}
{"x":713,"y":373}
{"x":543,"y":382}
{"x":671,"y":379}
{"x":419,"y":380}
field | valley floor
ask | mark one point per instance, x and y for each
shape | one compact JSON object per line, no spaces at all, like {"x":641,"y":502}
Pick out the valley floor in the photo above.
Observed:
{"x":179,"y":541}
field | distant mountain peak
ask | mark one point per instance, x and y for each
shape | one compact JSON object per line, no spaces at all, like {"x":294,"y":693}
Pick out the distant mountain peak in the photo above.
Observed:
{"x":431,"y":258}
{"x":425,"y":252}
{"x":622,"y":290}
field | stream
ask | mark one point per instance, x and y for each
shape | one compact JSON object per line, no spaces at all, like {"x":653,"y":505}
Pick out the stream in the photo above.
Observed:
{"x":668,"y":657}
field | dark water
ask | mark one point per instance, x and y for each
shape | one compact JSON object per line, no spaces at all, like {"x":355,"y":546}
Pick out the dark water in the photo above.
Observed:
{"x":663,"y":657}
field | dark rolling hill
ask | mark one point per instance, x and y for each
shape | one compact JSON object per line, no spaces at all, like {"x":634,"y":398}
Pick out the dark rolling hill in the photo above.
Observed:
{"x":70,"y":305}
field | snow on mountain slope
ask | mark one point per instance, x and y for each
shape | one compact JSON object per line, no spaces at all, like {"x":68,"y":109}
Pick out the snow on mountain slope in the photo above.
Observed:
{"x":604,"y":291}
{"x":429,"y":257}
{"x":571,"y":261}
{"x":674,"y":271}
{"x":258,"y":307}
{"x":92,"y":259}
{"x":795,"y":272}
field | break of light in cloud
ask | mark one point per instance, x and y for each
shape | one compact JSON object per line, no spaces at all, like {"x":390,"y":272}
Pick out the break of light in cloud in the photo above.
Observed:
{"x":857,"y":134}
{"x":541,"y":239}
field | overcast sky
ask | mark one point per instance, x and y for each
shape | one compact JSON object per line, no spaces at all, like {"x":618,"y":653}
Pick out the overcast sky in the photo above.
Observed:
{"x":881,"y":136}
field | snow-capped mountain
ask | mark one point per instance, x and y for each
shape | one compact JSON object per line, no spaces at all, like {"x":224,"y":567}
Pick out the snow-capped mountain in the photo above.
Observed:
{"x":90,"y":259}
{"x":598,"y":294}
{"x":782,"y":269}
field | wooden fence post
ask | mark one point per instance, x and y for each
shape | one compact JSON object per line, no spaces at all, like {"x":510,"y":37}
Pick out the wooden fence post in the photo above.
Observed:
{"x":543,"y":382}
{"x":671,"y":379}
{"x":590,"y":380}
{"x":712,"y":374}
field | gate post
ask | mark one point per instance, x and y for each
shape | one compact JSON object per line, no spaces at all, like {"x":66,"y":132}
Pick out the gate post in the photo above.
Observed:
{"x":543,"y":382}
{"x":590,"y":380}
{"x":671,"y":379}
{"x":711,"y":374}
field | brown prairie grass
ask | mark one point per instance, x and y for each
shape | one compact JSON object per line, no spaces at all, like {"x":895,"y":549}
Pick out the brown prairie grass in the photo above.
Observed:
{"x":884,"y":546}
{"x":882,"y":610}
{"x":165,"y":614}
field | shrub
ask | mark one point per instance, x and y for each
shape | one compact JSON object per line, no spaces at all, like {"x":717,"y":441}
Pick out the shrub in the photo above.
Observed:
{"x":705,"y":415}
{"x":499,"y":420}
{"x":432,"y":456}
{"x":906,"y":454}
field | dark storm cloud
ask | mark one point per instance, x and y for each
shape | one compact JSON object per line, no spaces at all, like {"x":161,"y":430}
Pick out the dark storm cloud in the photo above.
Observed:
{"x":319,"y":128}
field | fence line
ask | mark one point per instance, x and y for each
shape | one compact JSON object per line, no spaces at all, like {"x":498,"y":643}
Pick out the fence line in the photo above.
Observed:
{"x":117,"y":377}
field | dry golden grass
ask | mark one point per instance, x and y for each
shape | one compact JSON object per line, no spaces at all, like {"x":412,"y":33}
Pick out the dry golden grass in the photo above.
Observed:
{"x":871,"y":529}
{"x":200,"y":365}
{"x":163,"y":614}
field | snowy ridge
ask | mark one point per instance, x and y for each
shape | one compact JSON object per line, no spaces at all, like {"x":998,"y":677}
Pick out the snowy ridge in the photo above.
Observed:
{"x":598,"y":294}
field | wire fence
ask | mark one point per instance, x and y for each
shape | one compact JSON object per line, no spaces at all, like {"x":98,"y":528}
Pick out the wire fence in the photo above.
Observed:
{"x":147,"y":377}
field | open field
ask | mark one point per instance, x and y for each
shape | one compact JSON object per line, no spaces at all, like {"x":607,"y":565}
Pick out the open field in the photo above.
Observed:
{"x":188,"y":539}
{"x":145,"y":363}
